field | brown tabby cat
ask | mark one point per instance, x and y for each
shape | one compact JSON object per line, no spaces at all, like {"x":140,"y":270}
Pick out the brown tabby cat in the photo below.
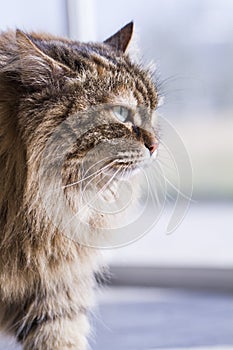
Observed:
{"x":46,"y":278}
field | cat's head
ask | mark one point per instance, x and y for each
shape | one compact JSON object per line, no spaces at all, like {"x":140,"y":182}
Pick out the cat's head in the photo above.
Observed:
{"x":85,"y":108}
{"x":112,"y":99}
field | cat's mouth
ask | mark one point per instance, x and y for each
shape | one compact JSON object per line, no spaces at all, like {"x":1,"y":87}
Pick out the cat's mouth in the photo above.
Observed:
{"x":125,"y":168}
{"x":113,"y":174}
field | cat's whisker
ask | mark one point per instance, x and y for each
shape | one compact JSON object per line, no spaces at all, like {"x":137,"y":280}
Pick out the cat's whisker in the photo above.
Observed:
{"x":152,"y":188}
{"x":89,"y":176}
{"x":96,"y":173}
{"x":173,"y":171}
{"x":105,"y":186}
{"x":160,"y":186}
{"x":167,"y":169}
{"x":82,"y":180}
{"x":169,"y":166}
{"x":124,"y":172}
{"x":100,"y":172}
{"x":164,"y":156}
{"x":86,"y":205}
{"x":177,"y":190}
{"x":101,"y":160}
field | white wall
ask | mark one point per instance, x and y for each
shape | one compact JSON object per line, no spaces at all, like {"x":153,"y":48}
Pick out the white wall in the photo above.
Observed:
{"x":44,"y":15}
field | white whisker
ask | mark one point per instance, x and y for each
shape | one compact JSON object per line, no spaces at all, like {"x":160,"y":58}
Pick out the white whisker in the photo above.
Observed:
{"x":94,"y":198}
{"x":89,"y":176}
{"x":178,"y":191}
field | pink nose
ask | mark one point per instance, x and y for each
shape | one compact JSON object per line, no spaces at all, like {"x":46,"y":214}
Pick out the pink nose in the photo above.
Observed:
{"x":153,"y":147}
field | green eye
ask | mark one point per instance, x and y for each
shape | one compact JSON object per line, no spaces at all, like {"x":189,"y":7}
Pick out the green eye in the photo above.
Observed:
{"x":121,"y":113}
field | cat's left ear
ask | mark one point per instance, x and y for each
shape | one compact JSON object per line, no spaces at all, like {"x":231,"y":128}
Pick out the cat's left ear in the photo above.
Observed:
{"x":35,"y":67}
{"x":120,"y":40}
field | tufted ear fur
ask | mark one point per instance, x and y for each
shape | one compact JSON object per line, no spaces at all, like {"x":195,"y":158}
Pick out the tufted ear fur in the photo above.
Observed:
{"x":35,"y":67}
{"x":120,"y":40}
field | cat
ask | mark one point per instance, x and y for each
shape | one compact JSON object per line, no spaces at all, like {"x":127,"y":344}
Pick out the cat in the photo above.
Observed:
{"x":88,"y":95}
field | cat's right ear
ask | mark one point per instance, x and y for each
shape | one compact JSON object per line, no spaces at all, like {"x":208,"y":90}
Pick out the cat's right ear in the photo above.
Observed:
{"x":35,"y":67}
{"x":120,"y":40}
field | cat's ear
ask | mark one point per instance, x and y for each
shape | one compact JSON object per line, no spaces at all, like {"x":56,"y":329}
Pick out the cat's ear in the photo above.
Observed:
{"x":35,"y":67}
{"x":120,"y":40}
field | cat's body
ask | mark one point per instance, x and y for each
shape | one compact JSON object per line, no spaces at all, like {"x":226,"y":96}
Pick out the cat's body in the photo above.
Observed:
{"x":47,"y":278}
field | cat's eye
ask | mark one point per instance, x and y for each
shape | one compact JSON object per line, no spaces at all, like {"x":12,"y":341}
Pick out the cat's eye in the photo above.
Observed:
{"x":121,"y":113}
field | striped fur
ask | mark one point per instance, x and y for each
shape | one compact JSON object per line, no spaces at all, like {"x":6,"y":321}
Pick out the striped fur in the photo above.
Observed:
{"x":47,"y":279}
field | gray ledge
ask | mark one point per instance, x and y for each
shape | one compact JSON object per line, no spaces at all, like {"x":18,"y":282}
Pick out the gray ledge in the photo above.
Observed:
{"x":214,"y":279}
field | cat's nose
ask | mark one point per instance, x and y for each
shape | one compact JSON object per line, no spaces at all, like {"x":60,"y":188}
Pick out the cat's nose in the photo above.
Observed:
{"x":152,"y":147}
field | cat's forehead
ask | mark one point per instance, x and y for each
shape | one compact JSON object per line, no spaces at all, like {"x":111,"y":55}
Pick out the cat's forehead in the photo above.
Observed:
{"x":103,"y":70}
{"x":124,"y":98}
{"x":134,"y":99}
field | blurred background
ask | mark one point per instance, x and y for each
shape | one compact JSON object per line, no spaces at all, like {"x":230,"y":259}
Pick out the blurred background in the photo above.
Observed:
{"x":168,"y":291}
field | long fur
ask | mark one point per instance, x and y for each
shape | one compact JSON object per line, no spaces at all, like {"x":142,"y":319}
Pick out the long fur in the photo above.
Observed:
{"x":47,"y":275}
